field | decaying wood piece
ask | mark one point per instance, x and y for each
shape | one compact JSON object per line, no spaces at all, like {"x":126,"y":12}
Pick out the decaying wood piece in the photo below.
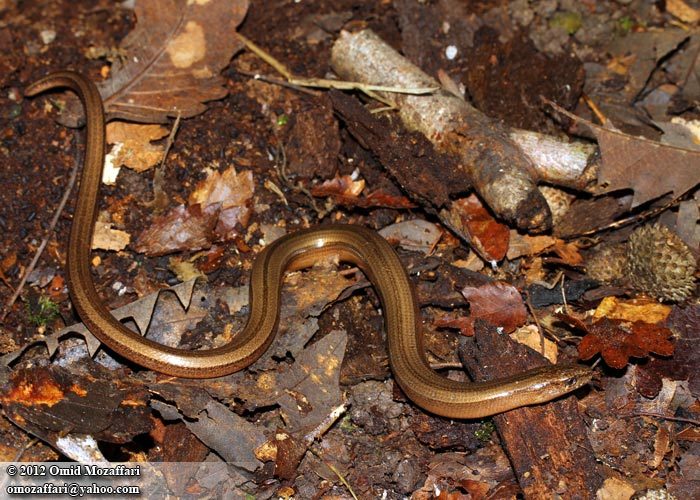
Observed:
{"x":547,"y":444}
{"x":408,"y":156}
{"x":489,"y":159}
{"x":428,"y":177}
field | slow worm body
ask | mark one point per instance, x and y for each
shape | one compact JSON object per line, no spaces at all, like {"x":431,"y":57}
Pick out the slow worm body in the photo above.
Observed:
{"x":353,"y":244}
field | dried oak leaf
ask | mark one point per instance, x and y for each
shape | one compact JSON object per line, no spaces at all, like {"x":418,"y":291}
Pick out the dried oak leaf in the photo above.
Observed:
{"x":222,"y":430}
{"x":617,"y":341}
{"x":174,"y":56}
{"x":685,"y":365}
{"x":134,"y":149}
{"x":650,"y":168}
{"x":498,"y":303}
{"x":165,"y":315}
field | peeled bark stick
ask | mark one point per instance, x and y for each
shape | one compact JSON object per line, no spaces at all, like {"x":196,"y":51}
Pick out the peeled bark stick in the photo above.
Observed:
{"x":490,"y":161}
{"x":557,"y":161}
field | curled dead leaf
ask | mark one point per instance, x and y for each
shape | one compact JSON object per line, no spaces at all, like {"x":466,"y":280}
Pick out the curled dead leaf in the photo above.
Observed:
{"x":218,"y":207}
{"x":489,"y":237}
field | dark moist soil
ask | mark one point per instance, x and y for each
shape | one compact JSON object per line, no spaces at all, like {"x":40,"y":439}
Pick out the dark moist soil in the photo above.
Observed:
{"x":37,"y":156}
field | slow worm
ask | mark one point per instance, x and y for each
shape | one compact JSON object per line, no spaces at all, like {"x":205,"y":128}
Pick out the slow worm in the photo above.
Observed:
{"x":353,"y":244}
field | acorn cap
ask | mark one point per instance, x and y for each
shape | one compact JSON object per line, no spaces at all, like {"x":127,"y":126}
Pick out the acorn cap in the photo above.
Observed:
{"x":660,"y":264}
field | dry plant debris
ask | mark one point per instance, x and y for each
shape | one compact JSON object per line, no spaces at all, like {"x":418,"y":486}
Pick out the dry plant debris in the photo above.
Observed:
{"x":654,"y":261}
{"x":175,"y":55}
{"x":630,"y":162}
{"x":217,"y":211}
{"x":134,"y":141}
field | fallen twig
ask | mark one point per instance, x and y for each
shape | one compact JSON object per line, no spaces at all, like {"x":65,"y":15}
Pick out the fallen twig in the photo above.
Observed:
{"x":503,"y":166}
{"x":331,"y":84}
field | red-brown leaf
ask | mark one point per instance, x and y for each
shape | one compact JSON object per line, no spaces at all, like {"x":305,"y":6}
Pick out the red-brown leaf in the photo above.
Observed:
{"x":464,"y":324}
{"x":617,"y":341}
{"x":489,"y":237}
{"x":498,"y":303}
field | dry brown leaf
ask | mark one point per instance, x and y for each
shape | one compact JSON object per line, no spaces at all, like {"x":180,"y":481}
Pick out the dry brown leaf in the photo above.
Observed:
{"x":689,"y":434}
{"x":498,"y":303}
{"x":453,"y":474}
{"x":230,"y":435}
{"x":233,"y":192}
{"x":230,"y":188}
{"x":346,"y":190}
{"x":473,"y":262}
{"x":345,"y":186}
{"x":530,"y":336}
{"x":136,"y":151}
{"x":310,"y":389}
{"x":175,"y":54}
{"x":107,"y":238}
{"x":568,"y":253}
{"x":615,"y":489}
{"x":650,"y":168}
{"x":523,"y":244}
{"x":464,"y":324}
{"x":662,"y":445}
{"x":180,"y":229}
{"x":683,"y":11}
{"x":417,"y":235}
{"x":309,"y":288}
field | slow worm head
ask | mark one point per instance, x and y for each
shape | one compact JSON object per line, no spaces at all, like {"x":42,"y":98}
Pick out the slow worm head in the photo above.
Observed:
{"x":354,"y":244}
